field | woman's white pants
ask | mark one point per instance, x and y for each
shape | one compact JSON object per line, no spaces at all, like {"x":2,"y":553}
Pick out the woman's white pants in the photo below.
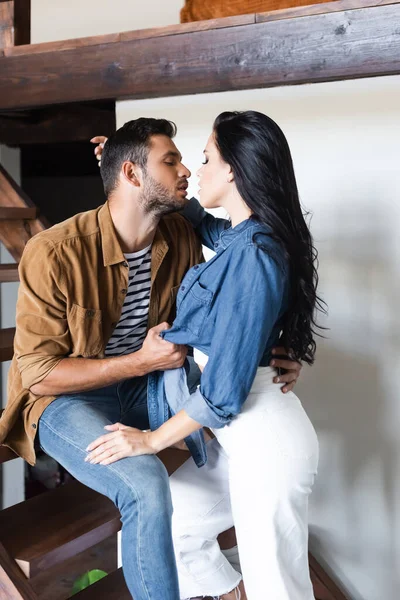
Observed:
{"x":258,"y":477}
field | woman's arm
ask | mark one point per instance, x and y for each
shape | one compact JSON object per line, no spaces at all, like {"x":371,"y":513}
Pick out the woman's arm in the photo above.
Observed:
{"x":124,"y":441}
{"x":207,"y":227}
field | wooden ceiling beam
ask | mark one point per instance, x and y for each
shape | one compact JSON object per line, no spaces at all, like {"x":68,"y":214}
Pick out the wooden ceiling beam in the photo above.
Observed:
{"x":342,"y":44}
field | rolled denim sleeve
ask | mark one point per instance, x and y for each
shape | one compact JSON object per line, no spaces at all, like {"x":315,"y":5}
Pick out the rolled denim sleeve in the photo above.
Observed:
{"x":254,"y":291}
{"x":206,"y":226}
{"x":42,"y":337}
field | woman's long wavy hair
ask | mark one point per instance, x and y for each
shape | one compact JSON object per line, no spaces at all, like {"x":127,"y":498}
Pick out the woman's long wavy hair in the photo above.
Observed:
{"x":259,"y":155}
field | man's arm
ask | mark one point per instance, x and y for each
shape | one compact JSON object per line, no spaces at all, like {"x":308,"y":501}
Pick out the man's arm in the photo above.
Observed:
{"x":84,"y":374}
{"x":43,"y":343}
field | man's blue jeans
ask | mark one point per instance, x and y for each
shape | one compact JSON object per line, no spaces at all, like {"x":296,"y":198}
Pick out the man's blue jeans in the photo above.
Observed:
{"x":138,"y":486}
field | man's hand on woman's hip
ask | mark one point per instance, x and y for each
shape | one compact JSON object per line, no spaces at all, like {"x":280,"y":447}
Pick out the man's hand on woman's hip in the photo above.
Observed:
{"x":292,"y":369}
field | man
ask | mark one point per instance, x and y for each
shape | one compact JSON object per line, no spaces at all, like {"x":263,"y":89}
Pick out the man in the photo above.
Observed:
{"x":94,"y":290}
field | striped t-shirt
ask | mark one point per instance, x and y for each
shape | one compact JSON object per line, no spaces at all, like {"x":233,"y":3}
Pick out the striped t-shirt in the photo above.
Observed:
{"x":129,"y":334}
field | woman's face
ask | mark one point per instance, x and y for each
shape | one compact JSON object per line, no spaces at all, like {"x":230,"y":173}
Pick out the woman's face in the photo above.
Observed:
{"x":215,"y":177}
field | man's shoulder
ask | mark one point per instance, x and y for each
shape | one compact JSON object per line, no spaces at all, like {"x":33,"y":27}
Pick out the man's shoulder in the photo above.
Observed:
{"x":175,"y":224}
{"x":80,"y":225}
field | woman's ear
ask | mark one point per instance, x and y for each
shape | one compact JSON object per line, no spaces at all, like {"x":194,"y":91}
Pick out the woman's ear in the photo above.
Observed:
{"x":231,"y":176}
{"x":131,"y":173}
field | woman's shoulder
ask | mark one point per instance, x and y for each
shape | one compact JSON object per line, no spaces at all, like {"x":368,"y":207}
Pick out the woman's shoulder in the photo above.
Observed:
{"x":264,"y":246}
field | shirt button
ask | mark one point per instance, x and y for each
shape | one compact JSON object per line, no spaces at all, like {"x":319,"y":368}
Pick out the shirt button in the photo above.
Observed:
{"x":90,"y":313}
{"x":183,"y":288}
{"x":124,"y":291}
{"x":33,"y":425}
{"x":216,"y":244}
{"x":196,"y":267}
{"x":125,"y":264}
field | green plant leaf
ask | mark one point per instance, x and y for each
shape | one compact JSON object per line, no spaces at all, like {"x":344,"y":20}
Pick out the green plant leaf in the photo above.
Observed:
{"x":87,"y":579}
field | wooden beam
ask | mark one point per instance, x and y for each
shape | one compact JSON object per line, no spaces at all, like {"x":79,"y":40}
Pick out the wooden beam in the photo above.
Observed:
{"x":362,"y":42}
{"x":319,"y":9}
{"x":63,"y":123}
{"x":6,"y":24}
{"x":15,"y":234}
{"x":15,"y":23}
{"x":9,"y":273}
{"x":11,"y":213}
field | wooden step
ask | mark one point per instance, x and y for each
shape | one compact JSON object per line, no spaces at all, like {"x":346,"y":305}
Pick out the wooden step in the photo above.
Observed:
{"x":7,"y":343}
{"x":8,"y":273}
{"x":13,"y":213}
{"x":112,"y":587}
{"x":50,"y":528}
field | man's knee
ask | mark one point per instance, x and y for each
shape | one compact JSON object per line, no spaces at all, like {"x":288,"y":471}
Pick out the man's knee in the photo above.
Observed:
{"x":144,"y":480}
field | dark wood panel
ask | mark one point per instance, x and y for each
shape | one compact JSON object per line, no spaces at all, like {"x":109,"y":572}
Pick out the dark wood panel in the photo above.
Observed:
{"x":9,"y":273}
{"x":7,"y":343}
{"x":337,"y":45}
{"x":63,"y":123}
{"x":22,"y":22}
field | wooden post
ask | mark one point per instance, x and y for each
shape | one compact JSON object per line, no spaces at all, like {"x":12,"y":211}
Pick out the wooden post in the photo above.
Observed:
{"x":15,"y":23}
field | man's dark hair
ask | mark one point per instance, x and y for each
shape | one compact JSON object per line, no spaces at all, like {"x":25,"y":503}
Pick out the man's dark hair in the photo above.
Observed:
{"x":130,"y":142}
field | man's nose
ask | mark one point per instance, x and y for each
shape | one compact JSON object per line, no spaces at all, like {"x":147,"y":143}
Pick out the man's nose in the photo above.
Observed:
{"x":185,"y":172}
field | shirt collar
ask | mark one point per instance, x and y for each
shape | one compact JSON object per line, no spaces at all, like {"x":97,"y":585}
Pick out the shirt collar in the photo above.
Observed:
{"x":229,"y":234}
{"x":112,"y":253}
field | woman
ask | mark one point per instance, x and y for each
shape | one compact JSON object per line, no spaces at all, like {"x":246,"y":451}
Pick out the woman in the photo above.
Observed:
{"x":232,"y":310}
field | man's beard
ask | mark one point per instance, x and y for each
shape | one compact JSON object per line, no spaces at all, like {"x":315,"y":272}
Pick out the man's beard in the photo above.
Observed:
{"x":157,"y":199}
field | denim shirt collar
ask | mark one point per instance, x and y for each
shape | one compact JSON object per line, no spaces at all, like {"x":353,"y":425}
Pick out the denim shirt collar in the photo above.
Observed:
{"x":231,"y":233}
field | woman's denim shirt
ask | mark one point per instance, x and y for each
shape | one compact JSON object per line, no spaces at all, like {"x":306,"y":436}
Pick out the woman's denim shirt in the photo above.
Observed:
{"x":231,"y":309}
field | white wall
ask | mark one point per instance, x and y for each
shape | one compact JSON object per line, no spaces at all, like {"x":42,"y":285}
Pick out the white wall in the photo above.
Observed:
{"x":59,"y":20}
{"x":345,"y":143}
{"x":13,"y":471}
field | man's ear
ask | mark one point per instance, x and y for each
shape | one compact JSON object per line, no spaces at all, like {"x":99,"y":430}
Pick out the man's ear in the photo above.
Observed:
{"x":131,"y":173}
